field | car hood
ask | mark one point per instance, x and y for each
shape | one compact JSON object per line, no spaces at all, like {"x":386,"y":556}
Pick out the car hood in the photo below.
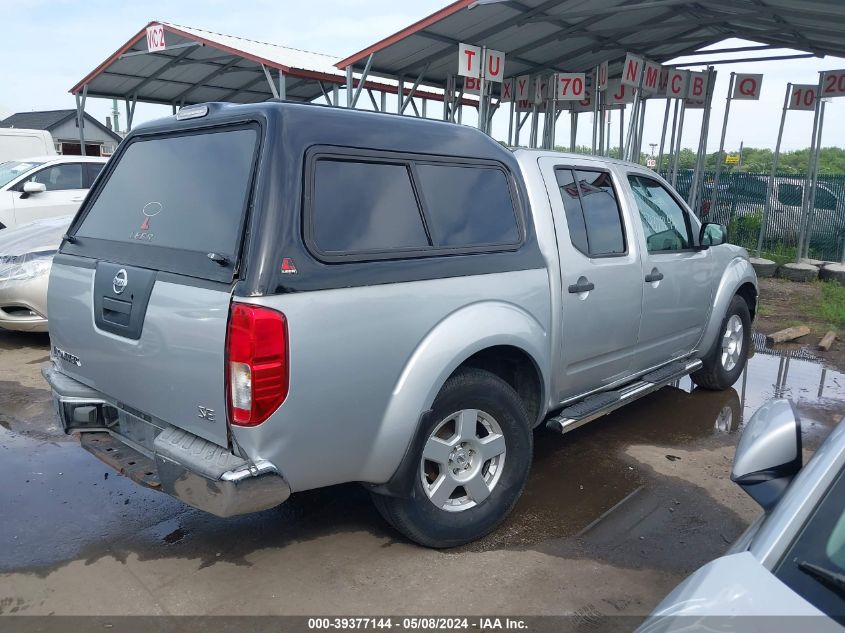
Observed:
{"x":41,"y":235}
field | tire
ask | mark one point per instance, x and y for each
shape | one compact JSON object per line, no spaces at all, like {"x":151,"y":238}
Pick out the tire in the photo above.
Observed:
{"x":723,"y":365}
{"x":798,"y":272}
{"x":764,"y":267}
{"x":833,"y":272}
{"x":500,"y":422}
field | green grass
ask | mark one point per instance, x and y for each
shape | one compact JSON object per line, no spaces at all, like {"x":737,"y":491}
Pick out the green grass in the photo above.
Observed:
{"x":832,"y":307}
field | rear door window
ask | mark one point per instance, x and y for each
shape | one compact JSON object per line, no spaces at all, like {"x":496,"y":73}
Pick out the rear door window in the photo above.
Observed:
{"x":185,"y":192}
{"x":467,"y":205}
{"x":91,"y":171}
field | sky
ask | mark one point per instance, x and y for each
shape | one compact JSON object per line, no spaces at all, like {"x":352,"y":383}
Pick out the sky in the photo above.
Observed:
{"x":57,"y":42}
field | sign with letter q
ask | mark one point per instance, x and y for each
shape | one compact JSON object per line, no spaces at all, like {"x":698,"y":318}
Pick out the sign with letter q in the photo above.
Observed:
{"x":747,"y":86}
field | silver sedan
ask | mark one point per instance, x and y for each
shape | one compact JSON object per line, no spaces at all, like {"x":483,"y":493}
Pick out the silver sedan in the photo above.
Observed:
{"x":787,"y":572}
{"x":26,"y":255}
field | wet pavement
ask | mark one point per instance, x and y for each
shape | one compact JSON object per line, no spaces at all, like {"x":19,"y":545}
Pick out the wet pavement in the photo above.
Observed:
{"x":614,"y":515}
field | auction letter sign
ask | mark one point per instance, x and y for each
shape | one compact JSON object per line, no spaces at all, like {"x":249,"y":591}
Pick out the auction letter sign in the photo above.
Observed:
{"x":747,"y":86}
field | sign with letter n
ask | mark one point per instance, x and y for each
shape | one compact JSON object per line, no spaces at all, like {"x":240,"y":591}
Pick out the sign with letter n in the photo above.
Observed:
{"x":632,"y":71}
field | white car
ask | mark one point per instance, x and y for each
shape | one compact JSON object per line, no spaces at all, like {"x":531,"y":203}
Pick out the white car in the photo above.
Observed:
{"x":44,"y":187}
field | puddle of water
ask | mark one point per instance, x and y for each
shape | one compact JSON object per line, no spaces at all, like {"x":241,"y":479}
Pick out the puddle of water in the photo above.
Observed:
{"x":577,"y":477}
{"x":59,"y":494}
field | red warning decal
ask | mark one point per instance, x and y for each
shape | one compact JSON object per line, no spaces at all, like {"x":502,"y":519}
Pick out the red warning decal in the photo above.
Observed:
{"x":288,"y":267}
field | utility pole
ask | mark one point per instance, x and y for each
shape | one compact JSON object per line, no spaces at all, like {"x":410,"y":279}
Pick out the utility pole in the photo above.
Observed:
{"x":653,"y":145}
{"x":115,"y":114}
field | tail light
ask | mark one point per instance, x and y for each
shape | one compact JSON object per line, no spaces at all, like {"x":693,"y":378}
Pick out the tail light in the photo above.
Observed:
{"x":258,"y":373}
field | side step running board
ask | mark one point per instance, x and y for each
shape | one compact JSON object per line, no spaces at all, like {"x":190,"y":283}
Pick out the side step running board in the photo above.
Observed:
{"x":602,"y":403}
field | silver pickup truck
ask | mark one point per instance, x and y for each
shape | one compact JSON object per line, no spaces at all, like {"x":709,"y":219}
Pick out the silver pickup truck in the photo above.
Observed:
{"x":263,"y":299}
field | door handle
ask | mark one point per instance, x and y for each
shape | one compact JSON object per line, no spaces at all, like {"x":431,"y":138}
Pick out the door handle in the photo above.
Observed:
{"x":583,"y":285}
{"x":654,"y":275}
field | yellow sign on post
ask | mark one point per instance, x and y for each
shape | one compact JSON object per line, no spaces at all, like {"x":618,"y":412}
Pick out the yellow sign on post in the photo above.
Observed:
{"x":732,"y":159}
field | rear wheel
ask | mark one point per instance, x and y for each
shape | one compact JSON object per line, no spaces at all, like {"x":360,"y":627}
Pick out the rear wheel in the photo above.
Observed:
{"x":725,"y":361}
{"x":472,"y":464}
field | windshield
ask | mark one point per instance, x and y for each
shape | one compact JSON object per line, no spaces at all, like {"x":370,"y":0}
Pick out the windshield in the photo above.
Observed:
{"x":14,"y":168}
{"x":814,"y":565}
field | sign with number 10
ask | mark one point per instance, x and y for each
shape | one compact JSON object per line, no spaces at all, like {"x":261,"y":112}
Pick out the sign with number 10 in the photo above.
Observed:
{"x":803,"y":97}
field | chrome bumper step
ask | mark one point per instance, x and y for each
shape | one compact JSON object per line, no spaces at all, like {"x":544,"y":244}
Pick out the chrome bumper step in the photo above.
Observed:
{"x":602,"y":403}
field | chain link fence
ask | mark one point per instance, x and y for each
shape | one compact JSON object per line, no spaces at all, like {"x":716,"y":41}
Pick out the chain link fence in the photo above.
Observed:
{"x":742,"y":198}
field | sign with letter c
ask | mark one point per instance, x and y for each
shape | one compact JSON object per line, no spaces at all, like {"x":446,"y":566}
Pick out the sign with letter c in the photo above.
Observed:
{"x":677,"y":86}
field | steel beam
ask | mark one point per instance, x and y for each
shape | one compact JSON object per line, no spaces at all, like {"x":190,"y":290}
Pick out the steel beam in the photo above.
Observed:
{"x":157,"y":53}
{"x":216,"y":73}
{"x":137,"y":87}
{"x":405,"y":100}
{"x":362,"y":80}
{"x":270,"y":81}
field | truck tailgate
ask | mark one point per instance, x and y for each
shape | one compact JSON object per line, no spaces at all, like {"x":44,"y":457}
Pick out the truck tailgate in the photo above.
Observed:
{"x":172,"y":373}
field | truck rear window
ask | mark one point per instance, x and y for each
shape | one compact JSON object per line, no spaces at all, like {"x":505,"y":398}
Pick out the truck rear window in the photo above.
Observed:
{"x":186,"y":192}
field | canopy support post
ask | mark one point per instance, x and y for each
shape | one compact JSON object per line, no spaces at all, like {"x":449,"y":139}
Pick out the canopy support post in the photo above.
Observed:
{"x":770,"y":189}
{"x":270,"y":81}
{"x":130,"y":110}
{"x":80,"y":116}
{"x":406,"y":100}
{"x":714,"y":196}
{"x":362,"y":80}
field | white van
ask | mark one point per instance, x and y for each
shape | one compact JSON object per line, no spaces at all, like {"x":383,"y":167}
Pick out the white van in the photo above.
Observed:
{"x":15,"y":143}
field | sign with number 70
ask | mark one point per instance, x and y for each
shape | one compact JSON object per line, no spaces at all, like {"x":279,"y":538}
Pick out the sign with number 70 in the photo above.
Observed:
{"x":570,"y":86}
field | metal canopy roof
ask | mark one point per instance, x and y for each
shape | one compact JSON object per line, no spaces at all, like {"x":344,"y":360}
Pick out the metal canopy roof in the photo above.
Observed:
{"x":576,"y":35}
{"x":199,"y":66}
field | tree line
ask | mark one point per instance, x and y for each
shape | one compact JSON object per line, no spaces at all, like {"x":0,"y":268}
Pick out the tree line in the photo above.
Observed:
{"x":754,"y":160}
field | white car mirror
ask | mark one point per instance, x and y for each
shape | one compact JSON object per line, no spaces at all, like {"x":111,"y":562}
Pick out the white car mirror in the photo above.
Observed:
{"x":768,"y":455}
{"x":34,"y":187}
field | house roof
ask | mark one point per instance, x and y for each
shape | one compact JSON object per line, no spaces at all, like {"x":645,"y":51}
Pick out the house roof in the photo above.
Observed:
{"x":199,"y":66}
{"x":576,"y":35}
{"x":50,"y":119}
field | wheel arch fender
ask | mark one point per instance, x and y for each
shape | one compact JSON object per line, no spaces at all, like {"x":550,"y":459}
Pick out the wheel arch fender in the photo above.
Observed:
{"x":738,"y":278}
{"x":453,"y":340}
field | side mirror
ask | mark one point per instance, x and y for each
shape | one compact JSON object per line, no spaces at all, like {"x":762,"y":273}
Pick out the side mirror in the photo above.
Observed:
{"x":768,"y":455}
{"x":31,"y":187}
{"x":712,"y":234}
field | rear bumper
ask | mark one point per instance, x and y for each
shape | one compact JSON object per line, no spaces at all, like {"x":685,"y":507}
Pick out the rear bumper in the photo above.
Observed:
{"x":196,"y":471}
